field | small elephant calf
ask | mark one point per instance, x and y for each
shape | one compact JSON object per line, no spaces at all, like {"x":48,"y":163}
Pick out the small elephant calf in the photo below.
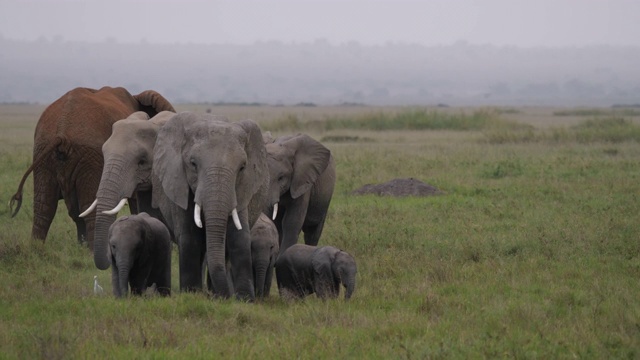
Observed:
{"x":140,"y":250}
{"x":303,"y":269}
{"x":264,"y":251}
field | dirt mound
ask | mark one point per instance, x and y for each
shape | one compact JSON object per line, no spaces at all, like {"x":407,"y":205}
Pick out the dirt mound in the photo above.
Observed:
{"x":399,"y":187}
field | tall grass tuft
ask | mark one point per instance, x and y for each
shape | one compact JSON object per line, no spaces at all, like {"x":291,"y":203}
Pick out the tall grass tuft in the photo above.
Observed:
{"x":609,"y":129}
{"x":409,"y":119}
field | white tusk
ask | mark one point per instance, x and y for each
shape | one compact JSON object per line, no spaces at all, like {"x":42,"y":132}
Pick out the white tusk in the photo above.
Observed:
{"x":275,"y":211}
{"x":117,"y":208}
{"x":90,"y":209}
{"x":196,"y":216}
{"x":236,"y":219}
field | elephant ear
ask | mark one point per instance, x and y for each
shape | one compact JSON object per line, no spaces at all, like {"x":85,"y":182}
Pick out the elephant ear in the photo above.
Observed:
{"x":311,"y":158}
{"x":167,"y":162}
{"x":321,"y":261}
{"x":152,"y":103}
{"x":256,"y":171}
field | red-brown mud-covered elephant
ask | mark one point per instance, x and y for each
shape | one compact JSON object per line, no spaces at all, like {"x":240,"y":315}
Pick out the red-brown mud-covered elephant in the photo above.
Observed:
{"x":67,"y":152}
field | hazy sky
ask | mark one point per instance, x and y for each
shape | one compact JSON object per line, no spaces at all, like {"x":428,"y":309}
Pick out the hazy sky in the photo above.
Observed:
{"x":429,"y":22}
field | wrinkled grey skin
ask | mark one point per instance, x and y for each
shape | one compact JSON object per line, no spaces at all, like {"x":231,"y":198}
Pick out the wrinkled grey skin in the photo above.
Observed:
{"x":128,"y":159}
{"x":204,"y":159}
{"x":302,"y":177}
{"x":302,"y":270}
{"x":67,"y":157}
{"x":140,"y":255}
{"x":264,"y":251}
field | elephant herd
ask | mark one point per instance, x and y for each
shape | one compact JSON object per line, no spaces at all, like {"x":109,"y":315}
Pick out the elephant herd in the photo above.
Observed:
{"x":233,"y":200}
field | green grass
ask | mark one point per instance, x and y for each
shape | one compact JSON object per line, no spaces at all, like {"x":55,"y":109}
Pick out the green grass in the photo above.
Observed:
{"x":532,"y":252}
{"x":598,"y":112}
{"x":405,"y":119}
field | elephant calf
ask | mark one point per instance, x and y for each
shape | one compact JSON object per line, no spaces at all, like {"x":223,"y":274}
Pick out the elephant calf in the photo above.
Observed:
{"x":140,"y":248}
{"x":303,"y":269}
{"x":264,"y":252}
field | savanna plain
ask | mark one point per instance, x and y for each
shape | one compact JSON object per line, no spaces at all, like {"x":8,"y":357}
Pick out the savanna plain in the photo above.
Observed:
{"x":532,"y":250}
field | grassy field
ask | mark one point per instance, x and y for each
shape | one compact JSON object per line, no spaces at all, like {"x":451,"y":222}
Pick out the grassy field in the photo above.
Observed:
{"x":532,"y":252}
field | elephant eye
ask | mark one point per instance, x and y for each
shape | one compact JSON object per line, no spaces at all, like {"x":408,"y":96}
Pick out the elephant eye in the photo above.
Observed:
{"x":193,"y":164}
{"x":243,"y":166}
{"x":280,"y":178}
{"x":141,"y":162}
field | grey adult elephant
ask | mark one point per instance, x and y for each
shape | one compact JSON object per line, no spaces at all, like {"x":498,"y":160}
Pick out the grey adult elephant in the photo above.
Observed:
{"x":302,"y":177}
{"x":126,"y":175}
{"x":140,"y":255}
{"x":205,"y":165}
{"x":303,"y":270}
{"x":67,"y":157}
{"x":264,"y":252}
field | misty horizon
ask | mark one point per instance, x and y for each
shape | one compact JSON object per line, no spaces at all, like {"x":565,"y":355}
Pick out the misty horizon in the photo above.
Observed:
{"x":320,"y":73}
{"x":380,"y":52}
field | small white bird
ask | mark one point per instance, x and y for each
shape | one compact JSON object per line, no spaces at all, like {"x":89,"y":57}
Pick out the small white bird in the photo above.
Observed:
{"x":97,"y":289}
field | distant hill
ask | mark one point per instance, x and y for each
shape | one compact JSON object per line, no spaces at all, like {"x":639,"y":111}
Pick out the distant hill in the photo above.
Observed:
{"x":321,"y":73}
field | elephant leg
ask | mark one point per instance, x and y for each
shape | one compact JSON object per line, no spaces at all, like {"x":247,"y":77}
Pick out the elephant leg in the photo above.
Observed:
{"x":73,"y":209}
{"x":292,"y":221}
{"x":239,"y":250}
{"x":45,"y":202}
{"x":267,"y":281}
{"x":133,"y":204}
{"x":82,"y":195}
{"x":138,"y":280}
{"x":191,"y":254}
{"x":312,"y":233}
{"x":161,"y":276}
{"x":143,"y":204}
{"x":288,"y":285}
{"x":115,"y":280}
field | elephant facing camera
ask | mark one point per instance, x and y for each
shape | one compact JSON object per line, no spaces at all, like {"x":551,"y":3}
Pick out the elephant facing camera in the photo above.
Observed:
{"x":140,"y":252}
{"x":302,"y":270}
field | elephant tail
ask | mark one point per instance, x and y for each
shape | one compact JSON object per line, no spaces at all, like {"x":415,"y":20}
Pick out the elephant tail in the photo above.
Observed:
{"x":16,"y":199}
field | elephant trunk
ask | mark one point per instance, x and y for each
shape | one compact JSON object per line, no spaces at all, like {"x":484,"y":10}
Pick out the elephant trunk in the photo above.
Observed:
{"x":114,"y":185}
{"x":123,"y":278}
{"x":349,"y":282}
{"x":217,"y":202}
{"x":260,"y":268}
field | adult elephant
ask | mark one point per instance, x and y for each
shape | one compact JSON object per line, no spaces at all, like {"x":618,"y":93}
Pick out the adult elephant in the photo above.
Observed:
{"x":126,"y":175}
{"x":302,"y":177}
{"x":203,"y":164}
{"x":67,"y":157}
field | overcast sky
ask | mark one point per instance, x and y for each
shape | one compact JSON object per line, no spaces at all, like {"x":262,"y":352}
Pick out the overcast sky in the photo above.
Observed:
{"x":430,"y":22}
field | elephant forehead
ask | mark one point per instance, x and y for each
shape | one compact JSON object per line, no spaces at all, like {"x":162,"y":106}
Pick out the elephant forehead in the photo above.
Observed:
{"x":215,"y":129}
{"x":134,"y":129}
{"x":278,"y":152}
{"x":125,"y":225}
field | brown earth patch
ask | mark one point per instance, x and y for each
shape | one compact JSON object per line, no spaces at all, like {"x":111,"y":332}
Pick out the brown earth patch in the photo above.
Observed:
{"x":399,"y":187}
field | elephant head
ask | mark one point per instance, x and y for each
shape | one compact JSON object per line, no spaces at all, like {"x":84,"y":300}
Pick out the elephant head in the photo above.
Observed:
{"x":333,"y":267}
{"x":295,"y":163}
{"x":128,"y":159}
{"x":222,"y":168}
